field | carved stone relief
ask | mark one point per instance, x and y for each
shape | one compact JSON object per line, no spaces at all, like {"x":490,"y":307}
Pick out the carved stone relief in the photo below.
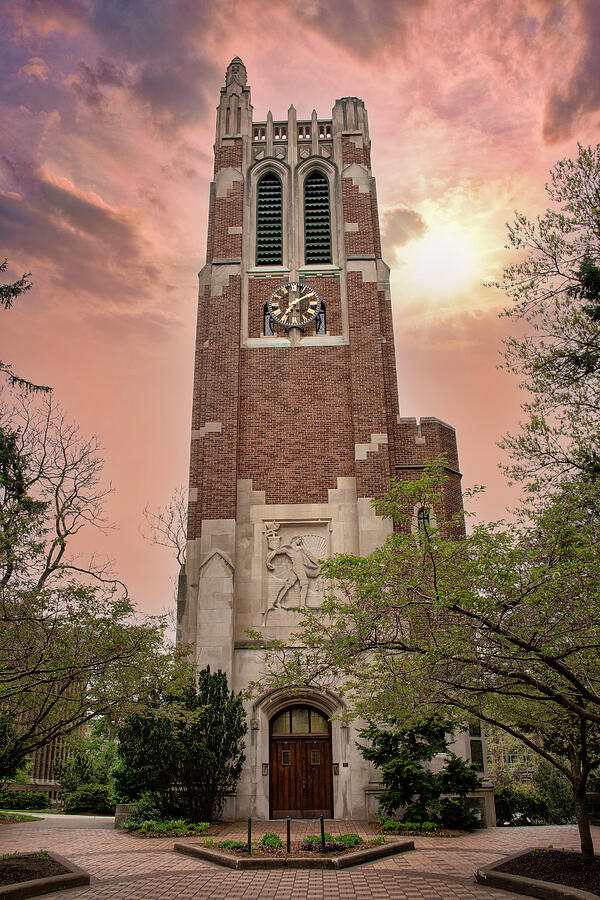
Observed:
{"x":292,"y":555}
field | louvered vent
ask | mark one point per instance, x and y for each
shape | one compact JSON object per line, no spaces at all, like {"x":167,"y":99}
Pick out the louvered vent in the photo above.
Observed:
{"x":269,"y":221}
{"x":317,"y":224}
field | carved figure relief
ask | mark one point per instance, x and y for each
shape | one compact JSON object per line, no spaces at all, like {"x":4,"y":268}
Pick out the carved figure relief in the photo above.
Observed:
{"x":295,"y":567}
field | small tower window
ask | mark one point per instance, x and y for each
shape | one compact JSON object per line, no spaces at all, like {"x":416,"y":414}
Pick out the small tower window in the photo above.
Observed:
{"x":269,"y":221}
{"x":423,"y":520}
{"x":269,"y":323}
{"x":320,"y":321}
{"x":317,"y":219}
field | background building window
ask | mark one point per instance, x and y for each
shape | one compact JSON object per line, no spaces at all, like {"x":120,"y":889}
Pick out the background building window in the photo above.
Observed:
{"x":317,"y":219}
{"x":269,"y":221}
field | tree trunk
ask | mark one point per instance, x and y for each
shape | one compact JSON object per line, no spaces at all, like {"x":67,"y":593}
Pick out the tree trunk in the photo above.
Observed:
{"x":583,"y":821}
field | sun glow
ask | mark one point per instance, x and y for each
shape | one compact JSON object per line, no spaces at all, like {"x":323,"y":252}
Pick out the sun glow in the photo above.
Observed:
{"x":442,"y":261}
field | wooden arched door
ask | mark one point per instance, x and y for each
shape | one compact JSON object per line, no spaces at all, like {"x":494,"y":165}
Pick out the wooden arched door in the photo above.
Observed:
{"x":300,"y":765}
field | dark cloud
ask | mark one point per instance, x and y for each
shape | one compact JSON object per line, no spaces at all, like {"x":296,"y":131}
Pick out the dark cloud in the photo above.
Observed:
{"x":159,"y":44}
{"x":581,"y":94}
{"x":401,"y":226}
{"x":90,"y":81}
{"x":363,"y":26}
{"x":92,"y":248}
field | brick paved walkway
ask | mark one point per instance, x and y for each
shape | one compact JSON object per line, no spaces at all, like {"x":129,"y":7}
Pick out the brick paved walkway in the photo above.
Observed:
{"x":123,"y":866}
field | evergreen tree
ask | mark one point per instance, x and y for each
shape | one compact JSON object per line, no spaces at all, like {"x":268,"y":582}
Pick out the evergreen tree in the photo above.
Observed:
{"x":186,"y":749}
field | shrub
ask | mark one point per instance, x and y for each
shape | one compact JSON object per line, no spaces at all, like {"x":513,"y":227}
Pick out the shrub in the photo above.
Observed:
{"x":24,"y":800}
{"x":232,"y":845}
{"x":454,"y":814}
{"x":172,"y":828}
{"x":408,"y":785}
{"x":186,"y":749}
{"x":514,"y":806}
{"x":350,"y":840}
{"x":145,"y":810}
{"x":313,"y":842}
{"x":271,"y":840}
{"x":557,"y":792}
{"x":90,"y":798}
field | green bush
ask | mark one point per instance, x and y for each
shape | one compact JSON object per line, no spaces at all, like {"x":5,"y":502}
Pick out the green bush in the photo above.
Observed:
{"x":91,"y":798}
{"x":515,"y":806}
{"x":350,"y":840}
{"x":271,"y":840}
{"x":232,"y":845}
{"x":172,"y":828}
{"x":454,"y":814}
{"x":145,"y":810}
{"x":400,"y":755}
{"x":316,"y":838}
{"x":557,"y":792}
{"x":186,"y":748}
{"x":24,"y":800}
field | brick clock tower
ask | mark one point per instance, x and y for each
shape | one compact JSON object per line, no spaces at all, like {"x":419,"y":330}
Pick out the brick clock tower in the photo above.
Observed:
{"x":295,"y":427}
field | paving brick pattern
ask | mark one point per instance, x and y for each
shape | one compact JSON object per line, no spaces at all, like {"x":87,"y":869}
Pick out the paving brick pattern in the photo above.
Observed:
{"x":123,"y":866}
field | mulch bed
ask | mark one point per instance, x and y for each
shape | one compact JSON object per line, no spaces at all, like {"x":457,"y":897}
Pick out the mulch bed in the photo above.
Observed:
{"x":557,"y":866}
{"x":27,"y":867}
{"x":295,"y":850}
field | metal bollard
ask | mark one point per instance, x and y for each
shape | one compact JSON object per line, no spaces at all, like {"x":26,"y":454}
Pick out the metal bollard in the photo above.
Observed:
{"x":322,"y":833}
{"x":249,"y":835}
{"x":288,"y":823}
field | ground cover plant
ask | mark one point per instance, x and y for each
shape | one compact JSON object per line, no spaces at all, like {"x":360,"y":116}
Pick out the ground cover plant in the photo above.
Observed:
{"x":272,"y":845}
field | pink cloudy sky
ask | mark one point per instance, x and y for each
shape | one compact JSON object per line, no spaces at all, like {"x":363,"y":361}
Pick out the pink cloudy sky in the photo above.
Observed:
{"x":107,"y":116}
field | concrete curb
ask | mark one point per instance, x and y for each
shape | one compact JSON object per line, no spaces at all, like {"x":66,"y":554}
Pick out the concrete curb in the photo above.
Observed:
{"x":75,"y":877}
{"x":299,"y":862}
{"x":518,"y":884}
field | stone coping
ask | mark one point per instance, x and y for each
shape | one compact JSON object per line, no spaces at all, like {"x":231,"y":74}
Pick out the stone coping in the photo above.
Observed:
{"x":293,"y":862}
{"x":74,"y":877}
{"x":518,"y":884}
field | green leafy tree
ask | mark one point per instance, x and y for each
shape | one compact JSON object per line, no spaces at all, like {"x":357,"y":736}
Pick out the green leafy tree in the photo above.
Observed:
{"x":72,"y":645}
{"x":410,"y":785}
{"x":186,"y":749}
{"x":90,"y":762}
{"x":502,"y":625}
{"x":556,"y":791}
{"x":554,"y":290}
{"x":8,"y":294}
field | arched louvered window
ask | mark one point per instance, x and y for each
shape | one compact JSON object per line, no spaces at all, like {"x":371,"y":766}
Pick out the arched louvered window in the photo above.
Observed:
{"x":269,"y":221}
{"x":317,"y":219}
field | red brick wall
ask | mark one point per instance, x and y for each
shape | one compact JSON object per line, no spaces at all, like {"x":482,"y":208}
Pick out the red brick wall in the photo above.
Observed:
{"x":226,"y":211}
{"x":229,"y":156}
{"x":438,"y":438}
{"x":353,"y":154}
{"x":358,"y":208}
{"x":297,"y":437}
{"x":213,"y":457}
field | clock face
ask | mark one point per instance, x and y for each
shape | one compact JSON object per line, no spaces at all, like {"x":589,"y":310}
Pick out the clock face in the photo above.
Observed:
{"x":294,"y":304}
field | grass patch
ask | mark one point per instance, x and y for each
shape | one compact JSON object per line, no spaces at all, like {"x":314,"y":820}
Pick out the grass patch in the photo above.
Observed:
{"x":12,"y":818}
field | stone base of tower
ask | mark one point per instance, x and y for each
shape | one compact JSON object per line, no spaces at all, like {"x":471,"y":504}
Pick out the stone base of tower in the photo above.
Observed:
{"x":256,"y":573}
